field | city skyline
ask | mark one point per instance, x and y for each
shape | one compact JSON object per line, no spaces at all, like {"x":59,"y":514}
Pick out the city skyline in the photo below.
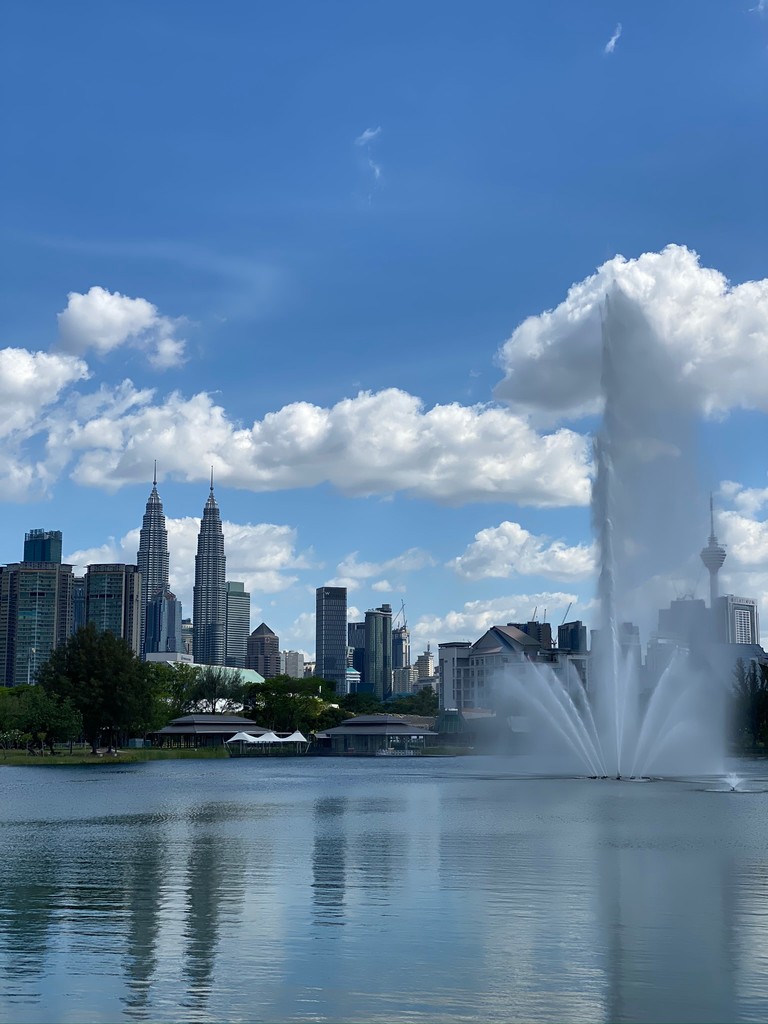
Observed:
{"x":382,"y":325}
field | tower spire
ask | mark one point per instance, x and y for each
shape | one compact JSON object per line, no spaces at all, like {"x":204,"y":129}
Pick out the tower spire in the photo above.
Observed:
{"x":154,"y":475}
{"x":713,"y":556}
{"x":211,"y":479}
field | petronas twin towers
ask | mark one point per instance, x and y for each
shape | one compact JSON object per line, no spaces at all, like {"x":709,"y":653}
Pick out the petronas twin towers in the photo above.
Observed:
{"x":160,"y":612}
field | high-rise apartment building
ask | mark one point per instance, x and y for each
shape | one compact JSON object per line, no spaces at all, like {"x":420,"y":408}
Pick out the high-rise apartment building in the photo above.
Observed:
{"x":113,"y":601}
{"x":401,"y":647}
{"x":736,"y":620}
{"x":378,"y":650}
{"x":572,"y":636}
{"x":292,"y":664}
{"x":78,"y":603}
{"x":356,"y":644}
{"x":331,"y":636}
{"x":152,"y":560}
{"x":209,"y":614}
{"x":238,"y":623}
{"x":35,"y":616}
{"x":42,"y":546}
{"x":263,"y":652}
{"x":163,"y":619}
{"x":425,"y":664}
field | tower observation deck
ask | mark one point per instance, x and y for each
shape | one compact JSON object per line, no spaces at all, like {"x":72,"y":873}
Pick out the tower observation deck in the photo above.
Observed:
{"x":713,"y":556}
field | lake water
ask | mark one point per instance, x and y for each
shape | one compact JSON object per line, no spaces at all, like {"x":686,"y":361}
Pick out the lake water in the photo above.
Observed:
{"x":377,"y":890}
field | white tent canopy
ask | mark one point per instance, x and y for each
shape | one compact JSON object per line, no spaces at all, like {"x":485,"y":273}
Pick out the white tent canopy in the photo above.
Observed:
{"x":268,"y":737}
{"x":295,"y":737}
{"x":242,"y":737}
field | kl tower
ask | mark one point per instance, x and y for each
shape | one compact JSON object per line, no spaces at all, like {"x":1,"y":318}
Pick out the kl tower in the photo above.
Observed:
{"x":713,"y":556}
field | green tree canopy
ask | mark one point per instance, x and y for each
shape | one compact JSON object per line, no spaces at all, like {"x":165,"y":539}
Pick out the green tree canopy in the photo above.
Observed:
{"x":42,"y":718}
{"x":217,"y":689}
{"x":285,"y":704}
{"x":750,"y":694}
{"x":103,"y":680}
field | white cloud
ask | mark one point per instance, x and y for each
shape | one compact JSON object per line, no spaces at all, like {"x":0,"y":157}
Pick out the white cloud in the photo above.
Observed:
{"x":610,"y":46}
{"x":30,"y":382}
{"x":373,"y":444}
{"x":476,"y":617}
{"x":102,"y":321}
{"x":745,"y":537}
{"x":262,"y":555}
{"x":713,"y":334}
{"x":508,"y":548}
{"x":385,"y":587}
{"x":366,"y":137}
{"x":409,"y":561}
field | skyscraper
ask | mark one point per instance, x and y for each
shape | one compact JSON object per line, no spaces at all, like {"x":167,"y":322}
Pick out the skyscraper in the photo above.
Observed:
{"x":164,"y":624}
{"x":238,"y":623}
{"x":152,"y":559}
{"x":113,"y":601}
{"x":42,"y":546}
{"x":378,"y":650}
{"x":35,"y":616}
{"x":401,"y":647}
{"x":713,"y":556}
{"x":331,"y":636}
{"x":209,"y":614}
{"x":264,"y":652}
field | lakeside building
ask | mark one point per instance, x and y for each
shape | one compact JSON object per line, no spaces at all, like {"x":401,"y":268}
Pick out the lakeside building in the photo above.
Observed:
{"x":238,"y":623}
{"x":204,"y":730}
{"x":331,"y":636}
{"x":209,"y":614}
{"x":368,"y":735}
{"x":152,"y":560}
{"x":113,"y":601}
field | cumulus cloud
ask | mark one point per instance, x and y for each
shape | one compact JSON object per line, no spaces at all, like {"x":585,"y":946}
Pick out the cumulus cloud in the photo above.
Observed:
{"x":714,"y":336}
{"x":610,"y":46}
{"x":373,"y":444}
{"x":262,"y":555}
{"x":475,"y":617}
{"x":508,"y":549}
{"x":101,"y":321}
{"x":364,"y":141}
{"x":745,"y":536}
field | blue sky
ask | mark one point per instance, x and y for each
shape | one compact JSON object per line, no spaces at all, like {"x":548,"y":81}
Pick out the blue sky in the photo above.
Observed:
{"x":241,"y":207}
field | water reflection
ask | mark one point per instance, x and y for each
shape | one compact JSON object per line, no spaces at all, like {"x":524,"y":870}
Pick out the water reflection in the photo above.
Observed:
{"x":144,"y":887}
{"x":380,"y":896}
{"x":329,"y":856}
{"x":214,"y":894}
{"x":29,"y":897}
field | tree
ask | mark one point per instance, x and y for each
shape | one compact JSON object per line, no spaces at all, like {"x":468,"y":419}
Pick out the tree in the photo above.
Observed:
{"x":217,"y":689}
{"x":750,"y":692}
{"x":285,"y":704}
{"x":362,"y":704}
{"x":423,"y":702}
{"x":30,"y":715}
{"x":176,"y":688}
{"x":104,"y":681}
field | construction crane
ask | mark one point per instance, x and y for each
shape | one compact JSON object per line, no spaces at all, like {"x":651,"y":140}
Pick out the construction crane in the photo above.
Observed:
{"x":401,"y":612}
{"x":566,"y":613}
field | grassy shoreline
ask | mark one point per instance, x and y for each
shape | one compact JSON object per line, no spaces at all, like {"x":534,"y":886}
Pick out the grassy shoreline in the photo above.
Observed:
{"x":17,"y":758}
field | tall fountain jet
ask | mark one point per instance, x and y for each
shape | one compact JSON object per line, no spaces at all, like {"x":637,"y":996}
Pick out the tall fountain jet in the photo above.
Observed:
{"x":713,"y":556}
{"x":621,"y":724}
